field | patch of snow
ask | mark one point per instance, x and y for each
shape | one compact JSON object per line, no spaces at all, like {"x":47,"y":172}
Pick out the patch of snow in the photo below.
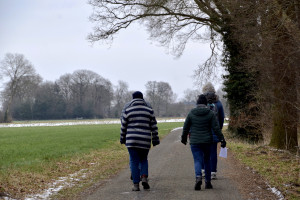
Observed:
{"x":287,"y":185}
{"x":171,"y":120}
{"x":279,"y":150}
{"x":7,"y":198}
{"x":58,"y":185}
{"x":276,"y":192}
{"x":61,"y":123}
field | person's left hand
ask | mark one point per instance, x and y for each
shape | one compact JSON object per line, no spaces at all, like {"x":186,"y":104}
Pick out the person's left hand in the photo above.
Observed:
{"x":183,"y":140}
{"x":122,"y":141}
{"x":154,"y":143}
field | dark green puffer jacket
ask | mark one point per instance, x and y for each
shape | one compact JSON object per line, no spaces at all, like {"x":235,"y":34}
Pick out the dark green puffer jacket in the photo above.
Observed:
{"x":199,"y":122}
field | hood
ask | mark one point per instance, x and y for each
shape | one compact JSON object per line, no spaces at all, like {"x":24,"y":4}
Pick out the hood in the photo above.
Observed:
{"x":208,"y":87}
{"x":200,"y":110}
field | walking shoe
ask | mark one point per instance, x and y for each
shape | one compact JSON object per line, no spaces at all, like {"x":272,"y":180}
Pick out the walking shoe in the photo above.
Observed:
{"x":136,"y":187}
{"x":145,"y":183}
{"x":198,"y":183}
{"x":214,"y":175}
{"x":208,"y":185}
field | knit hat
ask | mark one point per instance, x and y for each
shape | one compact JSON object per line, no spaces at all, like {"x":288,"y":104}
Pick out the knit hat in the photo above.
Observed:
{"x":208,"y":87}
{"x":202,"y":99}
{"x":137,"y":95}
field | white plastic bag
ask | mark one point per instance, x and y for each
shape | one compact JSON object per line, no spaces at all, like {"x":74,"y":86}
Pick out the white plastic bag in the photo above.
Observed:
{"x":223,"y":152}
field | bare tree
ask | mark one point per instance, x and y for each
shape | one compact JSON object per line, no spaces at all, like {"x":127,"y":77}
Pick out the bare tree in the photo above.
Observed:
{"x":16,"y":69}
{"x":250,"y":30}
{"x":86,"y":94}
{"x":285,"y":48}
{"x":160,"y":96}
{"x":190,"y":96}
{"x":166,"y":96}
{"x":151,"y":94}
{"x":171,"y":23}
{"x":49,"y":102}
{"x":101,"y":96}
{"x":25,"y":95}
{"x":81,"y":80}
{"x":121,"y":96}
{"x":65,"y":83}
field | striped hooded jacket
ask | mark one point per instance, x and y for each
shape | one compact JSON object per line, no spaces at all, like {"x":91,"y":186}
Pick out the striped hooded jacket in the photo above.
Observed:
{"x":138,"y":125}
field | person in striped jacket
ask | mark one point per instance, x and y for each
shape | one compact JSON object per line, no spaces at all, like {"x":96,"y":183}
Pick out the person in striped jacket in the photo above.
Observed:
{"x":138,"y":129}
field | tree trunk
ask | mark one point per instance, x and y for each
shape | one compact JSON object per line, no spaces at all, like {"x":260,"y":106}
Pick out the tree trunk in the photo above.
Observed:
{"x":7,"y":116}
{"x":285,"y":114}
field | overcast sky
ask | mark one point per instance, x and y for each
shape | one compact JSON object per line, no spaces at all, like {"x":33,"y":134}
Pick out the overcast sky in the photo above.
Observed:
{"x":51,"y":34}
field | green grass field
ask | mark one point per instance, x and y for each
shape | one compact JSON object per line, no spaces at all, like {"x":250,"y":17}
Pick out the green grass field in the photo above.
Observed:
{"x":39,"y":154}
{"x":27,"y":148}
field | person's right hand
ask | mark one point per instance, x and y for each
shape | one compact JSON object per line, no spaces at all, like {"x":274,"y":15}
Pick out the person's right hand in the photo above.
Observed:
{"x":223,"y":143}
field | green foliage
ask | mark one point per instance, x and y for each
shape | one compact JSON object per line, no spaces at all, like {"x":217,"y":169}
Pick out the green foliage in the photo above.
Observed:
{"x":24,"y":111}
{"x":240,"y":86}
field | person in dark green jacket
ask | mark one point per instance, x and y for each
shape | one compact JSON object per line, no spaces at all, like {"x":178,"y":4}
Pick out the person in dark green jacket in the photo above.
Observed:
{"x":198,"y":124}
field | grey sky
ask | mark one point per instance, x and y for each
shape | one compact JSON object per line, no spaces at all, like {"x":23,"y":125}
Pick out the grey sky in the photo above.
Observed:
{"x":51,"y":34}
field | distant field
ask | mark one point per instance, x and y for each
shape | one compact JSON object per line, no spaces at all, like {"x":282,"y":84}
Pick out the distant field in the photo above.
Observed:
{"x":36,"y":153}
{"x":27,"y":148}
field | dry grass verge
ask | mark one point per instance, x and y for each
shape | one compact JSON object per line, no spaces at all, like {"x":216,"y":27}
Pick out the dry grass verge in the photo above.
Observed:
{"x":279,"y":168}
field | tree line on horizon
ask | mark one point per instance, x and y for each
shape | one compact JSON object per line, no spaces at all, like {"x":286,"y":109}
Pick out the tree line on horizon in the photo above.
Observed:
{"x":82,"y":94}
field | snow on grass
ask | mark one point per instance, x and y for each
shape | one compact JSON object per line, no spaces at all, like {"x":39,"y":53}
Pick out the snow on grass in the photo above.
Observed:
{"x":94,"y":122}
{"x":276,"y":192}
{"x":178,"y":128}
{"x":59,"y":184}
{"x":81,"y":123}
{"x":61,"y":123}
